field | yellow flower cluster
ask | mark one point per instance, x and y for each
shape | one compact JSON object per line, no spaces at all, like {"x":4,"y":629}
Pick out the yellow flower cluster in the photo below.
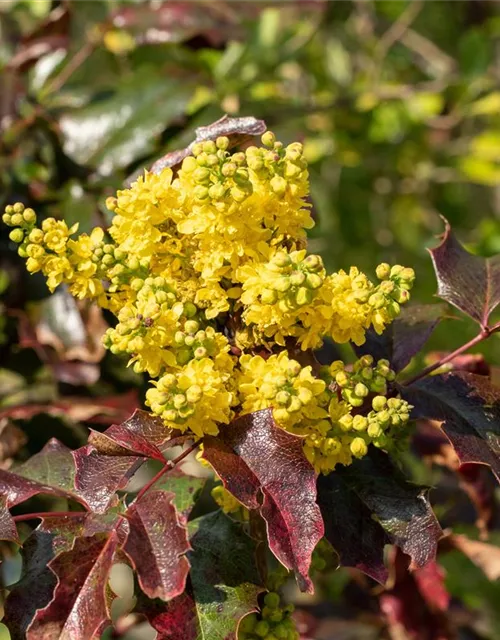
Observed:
{"x":207,"y":268}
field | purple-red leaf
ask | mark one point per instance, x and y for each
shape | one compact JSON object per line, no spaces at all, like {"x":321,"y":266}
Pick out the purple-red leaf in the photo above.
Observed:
{"x":369,"y":504}
{"x":83,"y":475}
{"x":221,"y":589}
{"x":468,"y":406}
{"x":253,"y":456}
{"x":99,"y":476}
{"x":470,"y":283}
{"x":405,"y":337}
{"x":157,"y":544}
{"x":238,"y":130}
{"x":79,"y":608}
{"x":141,"y":435}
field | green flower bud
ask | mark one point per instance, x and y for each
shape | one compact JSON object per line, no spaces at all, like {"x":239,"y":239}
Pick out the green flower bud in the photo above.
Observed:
{"x":374,"y":430}
{"x":313,"y":281}
{"x":268,"y":139}
{"x":379,"y":403}
{"x":359,"y":423}
{"x":383,"y":271}
{"x":297,"y":278}
{"x":304,"y":296}
{"x":358,"y":447}
{"x":29,"y":216}
{"x":16,"y":235}
{"x":278,"y":185}
{"x":361,"y":390}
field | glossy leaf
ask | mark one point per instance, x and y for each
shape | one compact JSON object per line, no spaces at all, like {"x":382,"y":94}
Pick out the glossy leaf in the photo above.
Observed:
{"x":79,"y":608}
{"x":253,"y":456}
{"x":405,"y":337}
{"x":157,"y":544}
{"x":142,"y":434}
{"x":369,"y":504}
{"x":83,"y":475}
{"x":98,"y":476}
{"x":470,"y":283}
{"x":468,"y":406}
{"x":222,"y":587}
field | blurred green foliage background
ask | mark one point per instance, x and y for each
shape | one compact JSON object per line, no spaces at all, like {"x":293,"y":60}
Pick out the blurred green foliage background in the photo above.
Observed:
{"x":396,"y":102}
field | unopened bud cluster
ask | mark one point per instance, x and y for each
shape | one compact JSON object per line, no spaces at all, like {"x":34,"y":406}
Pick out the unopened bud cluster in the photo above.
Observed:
{"x":274,"y":622}
{"x":211,"y":262}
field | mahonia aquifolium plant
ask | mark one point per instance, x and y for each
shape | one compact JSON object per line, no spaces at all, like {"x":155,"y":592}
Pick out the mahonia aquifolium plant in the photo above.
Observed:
{"x":210,"y":280}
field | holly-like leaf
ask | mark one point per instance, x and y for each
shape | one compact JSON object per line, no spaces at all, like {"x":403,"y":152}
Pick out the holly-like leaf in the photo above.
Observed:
{"x":238,"y":130}
{"x":83,"y":475}
{"x":157,"y":544}
{"x":185,"y":488}
{"x":470,"y":283}
{"x":99,"y":476}
{"x":253,"y":456}
{"x":468,"y":406}
{"x":369,"y":504}
{"x":405,"y":337}
{"x":79,"y":608}
{"x":142,"y":435}
{"x":221,"y":589}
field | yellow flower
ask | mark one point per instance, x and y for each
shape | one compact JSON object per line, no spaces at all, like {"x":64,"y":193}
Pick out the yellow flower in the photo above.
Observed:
{"x":196,"y":398}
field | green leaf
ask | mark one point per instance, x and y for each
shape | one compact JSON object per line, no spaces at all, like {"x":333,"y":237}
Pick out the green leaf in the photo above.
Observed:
{"x":221,"y":590}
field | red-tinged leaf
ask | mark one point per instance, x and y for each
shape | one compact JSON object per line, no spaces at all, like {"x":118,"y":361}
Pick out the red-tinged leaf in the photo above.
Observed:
{"x":470,"y":283}
{"x":468,"y":406}
{"x":221,"y":589}
{"x":79,"y":608}
{"x":253,"y":456}
{"x":369,"y":504}
{"x":142,"y":434}
{"x":53,"y":536}
{"x":98,"y":476}
{"x":8,"y":529}
{"x":405,"y":337}
{"x":49,"y":472}
{"x":157,"y":544}
{"x":415,"y":606}
{"x":238,"y":130}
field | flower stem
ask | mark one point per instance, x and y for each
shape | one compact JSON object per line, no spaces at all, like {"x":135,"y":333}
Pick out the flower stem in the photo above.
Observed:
{"x":168,"y":466}
{"x":49,"y":514}
{"x":482,"y":335}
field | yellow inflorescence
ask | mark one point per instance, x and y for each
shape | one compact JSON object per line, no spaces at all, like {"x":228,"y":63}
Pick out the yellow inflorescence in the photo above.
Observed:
{"x":208,"y":269}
